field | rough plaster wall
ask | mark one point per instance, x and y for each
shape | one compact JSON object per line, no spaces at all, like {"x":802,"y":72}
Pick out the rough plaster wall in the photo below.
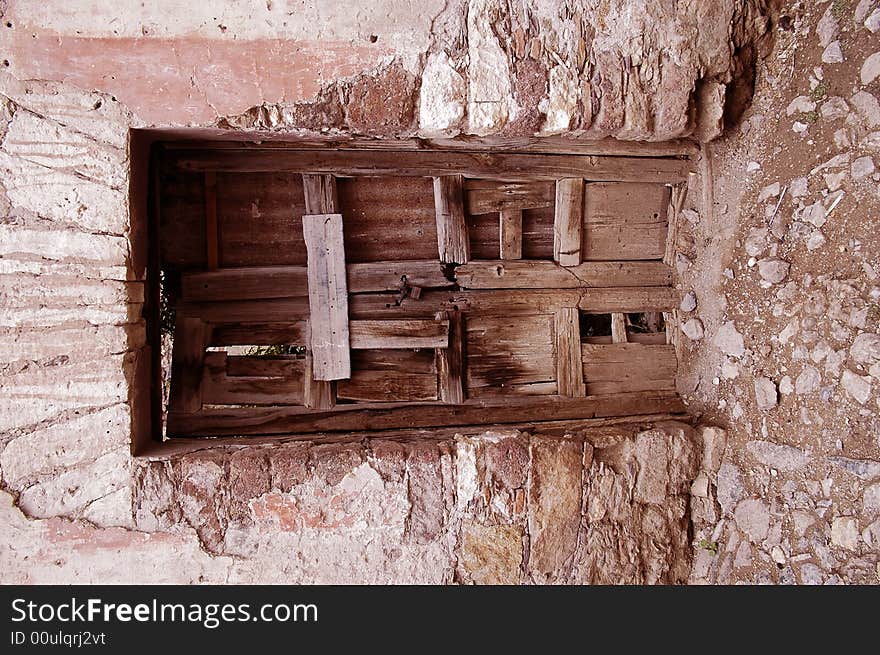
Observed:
{"x":77,"y":507}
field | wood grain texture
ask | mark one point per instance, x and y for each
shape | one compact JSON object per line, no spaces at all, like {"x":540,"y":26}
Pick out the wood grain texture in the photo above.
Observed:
{"x":496,"y":165}
{"x":320,"y":194}
{"x":568,"y":221}
{"x":249,"y":387}
{"x":273,"y":310}
{"x":386,"y":416}
{"x":625,"y":221}
{"x":212,"y":241}
{"x":618,"y":327}
{"x":489,"y":196}
{"x":628,"y":367}
{"x":453,"y":245}
{"x":510,"y":227}
{"x":401,"y":334}
{"x":259,"y":334}
{"x":504,"y":350}
{"x":191,"y":337}
{"x":396,"y":275}
{"x":451,"y":361}
{"x":328,"y":297}
{"x":317,"y":394}
{"x":390,"y":376}
{"x":569,"y":367}
{"x":532,"y":274}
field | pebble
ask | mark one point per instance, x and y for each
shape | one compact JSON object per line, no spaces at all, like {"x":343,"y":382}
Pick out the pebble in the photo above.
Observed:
{"x":872,"y":22}
{"x":845,"y":532}
{"x":753,"y":166}
{"x":841,"y":138}
{"x":798,"y":187}
{"x":769,"y":191}
{"x":785,"y":385}
{"x":832,"y":54}
{"x":870,"y":70}
{"x":834,"y":108}
{"x":800,"y":105}
{"x":862,"y":167}
{"x":756,"y":241}
{"x":765,"y":393}
{"x":826,"y":28}
{"x":773,"y":269}
{"x":816,"y":241}
{"x":834,"y":180}
{"x":753,"y":518}
{"x":693,"y":329}
{"x":865,"y":348}
{"x":689,"y":302}
{"x":729,"y":340}
{"x":867,"y":107}
{"x":808,"y":381}
{"x":857,"y":386}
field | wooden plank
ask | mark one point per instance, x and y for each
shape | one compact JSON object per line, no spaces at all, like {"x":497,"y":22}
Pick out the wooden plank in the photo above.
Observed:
{"x":618,"y":327}
{"x":505,"y":351}
{"x":489,"y":196}
{"x":212,"y":241}
{"x":516,"y":144}
{"x":267,"y":366}
{"x":496,"y":165}
{"x":221,"y":388}
{"x":276,"y":310}
{"x":513,"y":390}
{"x":452,"y":235}
{"x":531,"y":274}
{"x":320,"y":193}
{"x":450,"y":361}
{"x":382,"y":416}
{"x":264,"y":282}
{"x":511,"y":233}
{"x":259,"y":334}
{"x":191,"y":337}
{"x":625,"y":221}
{"x":387,"y":386}
{"x":317,"y":394}
{"x":568,"y":221}
{"x":628,"y":367}
{"x":569,"y":368}
{"x":408,"y":334}
{"x":328,"y":296}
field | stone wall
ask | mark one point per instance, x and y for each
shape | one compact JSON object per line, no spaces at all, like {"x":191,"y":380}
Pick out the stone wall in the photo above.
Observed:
{"x":77,"y":506}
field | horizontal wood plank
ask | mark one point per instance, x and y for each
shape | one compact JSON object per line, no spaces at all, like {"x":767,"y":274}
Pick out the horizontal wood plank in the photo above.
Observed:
{"x":220,"y":388}
{"x":387,"y":386}
{"x":628,"y":367}
{"x":267,"y":366}
{"x":365,"y":335}
{"x":259,"y":334}
{"x":504,"y":350}
{"x":502,"y":166}
{"x":625,"y":221}
{"x":275,"y":310}
{"x":384,"y":416}
{"x":485,"y":196}
{"x":533,"y":274}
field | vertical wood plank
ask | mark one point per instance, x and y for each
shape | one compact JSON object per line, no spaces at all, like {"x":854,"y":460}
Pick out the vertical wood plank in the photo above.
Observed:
{"x":452,"y":234}
{"x":450,"y":360}
{"x":328,"y":297}
{"x":569,"y":365}
{"x":321,"y":197}
{"x":568,"y":221}
{"x":511,"y":233}
{"x":618,"y":327}
{"x":211,"y":230}
{"x":191,"y":337}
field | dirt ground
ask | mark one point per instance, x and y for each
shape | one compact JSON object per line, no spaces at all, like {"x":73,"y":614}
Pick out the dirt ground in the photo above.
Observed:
{"x":781,"y":248}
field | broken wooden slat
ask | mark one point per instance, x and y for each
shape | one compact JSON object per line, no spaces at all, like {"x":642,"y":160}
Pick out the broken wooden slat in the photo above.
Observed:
{"x":628,"y":367}
{"x":365,"y":335}
{"x":495,"y":165}
{"x":450,"y":360}
{"x":259,"y":334}
{"x":275,"y":310}
{"x":382,"y":416}
{"x":212,"y":240}
{"x":534,"y":274}
{"x":618,"y":327}
{"x":489,"y":196}
{"x":507,"y":351}
{"x":452,"y":235}
{"x":568,"y":221}
{"x":221,"y":388}
{"x":511,"y":234}
{"x":625,"y":221}
{"x":328,"y":297}
{"x":191,"y":337}
{"x":569,"y":368}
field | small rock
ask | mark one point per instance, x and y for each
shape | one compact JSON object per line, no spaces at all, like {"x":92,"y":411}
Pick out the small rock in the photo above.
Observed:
{"x":799,"y":127}
{"x":872,"y":22}
{"x":834,"y":108}
{"x":861,"y":11}
{"x":871,"y":500}
{"x":773,"y":269}
{"x":816,"y":241}
{"x":870,"y":69}
{"x":857,"y":386}
{"x":815,"y":214}
{"x":730,"y":489}
{"x":798,"y":187}
{"x":867,"y":107}
{"x":692,"y":216}
{"x":756,"y":241}
{"x":682,"y":263}
{"x":753,"y":518}
{"x":765,"y":393}
{"x":789,"y":331}
{"x":865,"y":348}
{"x":689,"y":302}
{"x":862,"y":167}
{"x":777,"y":456}
{"x":729,"y":369}
{"x":841,"y":138}
{"x":693,"y":329}
{"x":864,"y":469}
{"x":845,"y":532}
{"x":729,"y":340}
{"x":832,"y":54}
{"x":786,"y":386}
{"x":769,"y":191}
{"x":834,"y":180}
{"x":811,"y":574}
{"x":753,"y":166}
{"x":808,"y":381}
{"x":826,"y":28}
{"x":778,"y":555}
{"x":800,"y":105}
